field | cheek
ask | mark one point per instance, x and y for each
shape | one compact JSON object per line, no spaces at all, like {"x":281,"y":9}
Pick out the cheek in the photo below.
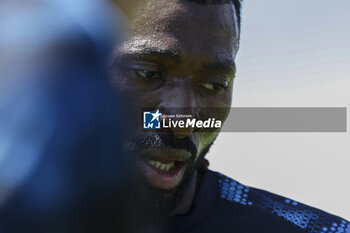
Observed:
{"x":225,"y":100}
{"x":228,"y":96}
{"x":206,"y":139}
{"x":218,"y":108}
{"x":119,"y":81}
{"x":123,"y":82}
{"x":131,"y":90}
{"x":221,"y":100}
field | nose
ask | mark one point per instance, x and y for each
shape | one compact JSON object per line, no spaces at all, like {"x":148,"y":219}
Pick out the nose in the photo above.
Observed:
{"x":179,"y":100}
{"x":179,"y":132}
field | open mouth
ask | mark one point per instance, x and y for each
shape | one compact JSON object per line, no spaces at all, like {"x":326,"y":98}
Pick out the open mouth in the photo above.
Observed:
{"x":161,"y":166}
{"x":168,"y":168}
{"x":164,"y":168}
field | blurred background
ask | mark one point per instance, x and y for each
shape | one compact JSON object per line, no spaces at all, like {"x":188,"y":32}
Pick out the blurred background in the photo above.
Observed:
{"x":292,"y":54}
{"x":61,"y":124}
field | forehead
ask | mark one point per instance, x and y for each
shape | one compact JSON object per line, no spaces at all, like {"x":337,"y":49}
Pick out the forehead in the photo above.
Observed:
{"x":184,"y":28}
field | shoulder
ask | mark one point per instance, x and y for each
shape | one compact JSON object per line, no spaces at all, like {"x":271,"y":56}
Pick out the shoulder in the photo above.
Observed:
{"x":278,"y":209}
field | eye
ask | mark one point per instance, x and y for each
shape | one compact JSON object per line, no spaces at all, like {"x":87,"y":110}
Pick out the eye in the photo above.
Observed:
{"x":148,"y":74}
{"x":213,"y":86}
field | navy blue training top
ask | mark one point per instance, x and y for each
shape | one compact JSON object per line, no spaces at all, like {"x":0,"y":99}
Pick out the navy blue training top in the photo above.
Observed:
{"x":223,"y":205}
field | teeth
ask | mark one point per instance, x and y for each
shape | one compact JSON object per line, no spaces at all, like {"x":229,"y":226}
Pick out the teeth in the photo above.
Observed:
{"x":153,"y":163}
{"x":161,"y":166}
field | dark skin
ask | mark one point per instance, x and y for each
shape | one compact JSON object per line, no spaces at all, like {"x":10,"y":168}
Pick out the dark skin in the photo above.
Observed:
{"x":178,"y":54}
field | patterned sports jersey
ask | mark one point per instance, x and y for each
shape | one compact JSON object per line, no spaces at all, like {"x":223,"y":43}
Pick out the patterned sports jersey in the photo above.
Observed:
{"x":225,"y":205}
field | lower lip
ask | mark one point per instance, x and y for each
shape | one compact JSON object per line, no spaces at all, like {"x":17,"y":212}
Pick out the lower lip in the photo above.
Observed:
{"x":165,"y":180}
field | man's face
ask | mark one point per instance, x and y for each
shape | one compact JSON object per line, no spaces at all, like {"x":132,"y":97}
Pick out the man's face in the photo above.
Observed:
{"x":178,"y":54}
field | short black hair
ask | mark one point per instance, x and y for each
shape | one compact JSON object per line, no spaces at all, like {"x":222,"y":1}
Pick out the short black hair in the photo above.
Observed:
{"x":236,"y":3}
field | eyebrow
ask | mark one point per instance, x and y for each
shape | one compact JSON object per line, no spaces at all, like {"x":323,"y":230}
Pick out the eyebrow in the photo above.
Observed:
{"x":227,"y":65}
{"x":152,"y":52}
{"x":142,"y":51}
